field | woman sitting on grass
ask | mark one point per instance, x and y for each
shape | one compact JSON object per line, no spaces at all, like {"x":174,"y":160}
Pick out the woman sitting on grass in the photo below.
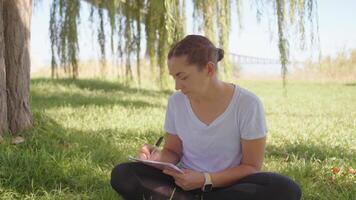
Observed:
{"x":216,"y":131}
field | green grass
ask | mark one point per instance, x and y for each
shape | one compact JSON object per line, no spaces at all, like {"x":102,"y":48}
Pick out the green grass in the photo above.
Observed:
{"x":84,"y":128}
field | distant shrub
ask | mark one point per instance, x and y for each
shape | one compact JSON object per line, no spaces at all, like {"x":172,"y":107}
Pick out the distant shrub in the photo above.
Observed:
{"x":342,"y":67}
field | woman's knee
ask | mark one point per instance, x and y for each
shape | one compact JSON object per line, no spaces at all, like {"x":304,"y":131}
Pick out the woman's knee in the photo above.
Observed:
{"x":121,"y":178}
{"x":288,"y":189}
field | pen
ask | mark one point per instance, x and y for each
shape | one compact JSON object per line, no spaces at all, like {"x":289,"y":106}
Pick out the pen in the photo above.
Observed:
{"x":159,"y":141}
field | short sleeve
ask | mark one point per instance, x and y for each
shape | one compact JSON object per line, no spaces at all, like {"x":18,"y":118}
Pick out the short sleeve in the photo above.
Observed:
{"x":253,"y":123}
{"x":169,"y":123}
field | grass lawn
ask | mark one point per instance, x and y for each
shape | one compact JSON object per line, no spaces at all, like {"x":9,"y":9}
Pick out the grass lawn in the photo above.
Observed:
{"x":84,"y":128}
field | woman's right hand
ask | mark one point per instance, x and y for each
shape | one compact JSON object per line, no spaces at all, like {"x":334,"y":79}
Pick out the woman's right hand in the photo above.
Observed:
{"x":145,"y":152}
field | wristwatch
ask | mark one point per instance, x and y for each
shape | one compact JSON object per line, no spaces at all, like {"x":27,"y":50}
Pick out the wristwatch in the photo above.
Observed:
{"x":208,"y":184}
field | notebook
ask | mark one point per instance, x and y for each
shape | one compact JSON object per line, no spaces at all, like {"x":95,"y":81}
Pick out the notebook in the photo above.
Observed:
{"x":157,"y":164}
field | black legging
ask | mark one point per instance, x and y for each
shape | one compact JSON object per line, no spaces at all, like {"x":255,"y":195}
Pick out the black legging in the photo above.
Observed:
{"x":138,"y":181}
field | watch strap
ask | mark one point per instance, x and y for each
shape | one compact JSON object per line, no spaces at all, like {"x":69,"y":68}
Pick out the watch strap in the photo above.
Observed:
{"x":207,"y":183}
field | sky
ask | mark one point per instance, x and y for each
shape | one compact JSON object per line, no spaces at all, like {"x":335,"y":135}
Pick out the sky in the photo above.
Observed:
{"x":337,"y":32}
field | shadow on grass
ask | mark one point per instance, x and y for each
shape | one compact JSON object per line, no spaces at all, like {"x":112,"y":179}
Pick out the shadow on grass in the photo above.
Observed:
{"x":58,"y":99}
{"x":55,"y":158}
{"x":309,"y":152}
{"x":290,"y":114}
{"x":350,"y":84}
{"x":96,"y":84}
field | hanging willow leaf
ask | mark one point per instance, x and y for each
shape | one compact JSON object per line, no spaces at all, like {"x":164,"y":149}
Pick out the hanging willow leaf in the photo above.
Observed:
{"x":64,"y":34}
{"x":53,"y":38}
{"x":239,"y":13}
{"x":128,"y":38}
{"x":163,"y":37}
{"x":165,"y":23}
{"x":206,"y":11}
{"x":137,"y":37}
{"x":282,"y":43}
{"x":169,"y":32}
{"x":120,"y":49}
{"x":102,"y":41}
{"x":111,"y":6}
{"x":293,"y":18}
{"x":152,"y":21}
{"x":223,"y":23}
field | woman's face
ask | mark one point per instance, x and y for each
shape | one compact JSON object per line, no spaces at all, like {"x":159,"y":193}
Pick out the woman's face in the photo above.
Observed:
{"x":188,"y":79}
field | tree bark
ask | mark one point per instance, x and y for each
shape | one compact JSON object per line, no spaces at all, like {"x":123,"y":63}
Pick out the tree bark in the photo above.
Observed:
{"x":17,"y":21}
{"x":3,"y":98}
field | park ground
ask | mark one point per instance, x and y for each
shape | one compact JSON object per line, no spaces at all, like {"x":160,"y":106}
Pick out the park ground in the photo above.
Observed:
{"x":83,"y":128}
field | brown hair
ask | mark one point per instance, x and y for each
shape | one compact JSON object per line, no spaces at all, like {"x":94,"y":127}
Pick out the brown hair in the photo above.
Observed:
{"x":198,"y":49}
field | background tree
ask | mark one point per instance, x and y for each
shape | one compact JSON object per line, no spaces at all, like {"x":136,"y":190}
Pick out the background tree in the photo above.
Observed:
{"x":3,"y":95}
{"x":164,"y":24}
{"x":15,"y":20}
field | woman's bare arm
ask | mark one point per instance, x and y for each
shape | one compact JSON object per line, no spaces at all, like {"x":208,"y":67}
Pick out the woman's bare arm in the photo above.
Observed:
{"x":252,"y":160}
{"x":172,"y":149}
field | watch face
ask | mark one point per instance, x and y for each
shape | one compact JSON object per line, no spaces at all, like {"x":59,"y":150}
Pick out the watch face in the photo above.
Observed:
{"x":208,"y":187}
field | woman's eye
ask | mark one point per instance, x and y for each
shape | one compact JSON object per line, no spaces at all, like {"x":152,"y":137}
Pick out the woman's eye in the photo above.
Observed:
{"x":184,"y":78}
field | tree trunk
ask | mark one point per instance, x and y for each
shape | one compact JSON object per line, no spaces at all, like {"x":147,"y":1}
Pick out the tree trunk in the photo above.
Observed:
{"x":3,"y":104}
{"x":17,"y":21}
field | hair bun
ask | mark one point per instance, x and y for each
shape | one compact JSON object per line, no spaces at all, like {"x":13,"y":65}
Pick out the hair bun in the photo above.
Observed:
{"x":220,"y":54}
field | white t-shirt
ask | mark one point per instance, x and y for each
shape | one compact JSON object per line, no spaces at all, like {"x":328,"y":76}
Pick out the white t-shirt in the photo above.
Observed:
{"x":217,"y":146}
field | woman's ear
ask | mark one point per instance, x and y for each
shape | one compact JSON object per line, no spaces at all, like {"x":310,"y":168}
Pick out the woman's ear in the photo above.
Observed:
{"x":211,"y":69}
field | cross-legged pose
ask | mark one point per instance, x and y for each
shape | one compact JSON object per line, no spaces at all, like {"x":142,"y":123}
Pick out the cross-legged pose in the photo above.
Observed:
{"x":215,"y":132}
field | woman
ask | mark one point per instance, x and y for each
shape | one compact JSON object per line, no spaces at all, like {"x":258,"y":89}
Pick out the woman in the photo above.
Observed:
{"x":216,"y":131}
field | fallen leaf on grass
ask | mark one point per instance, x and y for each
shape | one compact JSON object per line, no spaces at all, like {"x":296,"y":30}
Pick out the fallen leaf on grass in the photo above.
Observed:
{"x":335,"y":170}
{"x":65,"y":145}
{"x":18,"y":140}
{"x":351,"y":170}
{"x":286,"y":158}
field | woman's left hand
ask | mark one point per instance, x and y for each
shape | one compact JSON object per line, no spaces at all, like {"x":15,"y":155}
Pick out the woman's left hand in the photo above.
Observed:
{"x":189,"y":180}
